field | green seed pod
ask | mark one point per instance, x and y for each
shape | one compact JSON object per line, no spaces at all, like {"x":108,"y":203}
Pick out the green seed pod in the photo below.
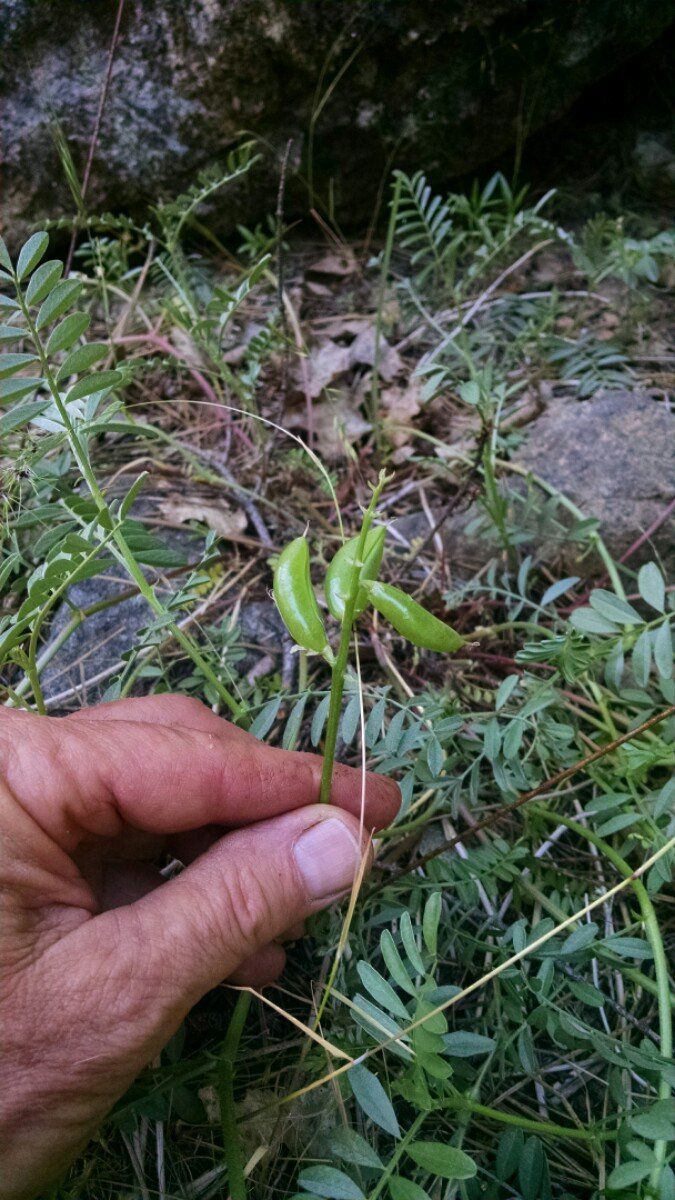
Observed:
{"x":338,"y":575}
{"x":408,"y":617}
{"x":295,"y":597}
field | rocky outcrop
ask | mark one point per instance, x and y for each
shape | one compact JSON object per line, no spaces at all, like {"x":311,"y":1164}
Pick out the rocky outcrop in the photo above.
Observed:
{"x":444,"y":85}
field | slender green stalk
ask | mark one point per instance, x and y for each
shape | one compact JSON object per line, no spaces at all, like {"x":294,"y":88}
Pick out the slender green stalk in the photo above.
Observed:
{"x":386,"y":262}
{"x":236,"y":1180}
{"x":545,"y":1128}
{"x":123,"y":552}
{"x":653,"y":932}
{"x":340,"y":664}
{"x":398,"y":1155}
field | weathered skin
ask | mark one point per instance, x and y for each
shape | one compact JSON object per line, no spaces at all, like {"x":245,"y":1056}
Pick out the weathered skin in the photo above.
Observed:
{"x":443,"y":84}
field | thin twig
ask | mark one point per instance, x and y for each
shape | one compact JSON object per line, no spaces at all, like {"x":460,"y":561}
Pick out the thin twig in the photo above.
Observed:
{"x":97,"y":127}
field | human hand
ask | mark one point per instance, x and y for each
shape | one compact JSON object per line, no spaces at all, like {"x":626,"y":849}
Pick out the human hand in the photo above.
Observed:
{"x":99,"y":963}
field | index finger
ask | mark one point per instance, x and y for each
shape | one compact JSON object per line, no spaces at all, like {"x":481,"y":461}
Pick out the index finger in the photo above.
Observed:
{"x":90,"y":777}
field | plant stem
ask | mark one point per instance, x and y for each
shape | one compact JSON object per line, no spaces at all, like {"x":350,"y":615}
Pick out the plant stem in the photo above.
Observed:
{"x":340,"y":664}
{"x":123,"y":552}
{"x":386,"y":262}
{"x":236,"y":1180}
{"x":397,"y":1155}
{"x":546,"y":1128}
{"x":653,"y":932}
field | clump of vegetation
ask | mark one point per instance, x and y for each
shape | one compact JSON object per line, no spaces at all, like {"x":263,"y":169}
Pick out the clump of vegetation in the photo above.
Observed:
{"x":492,"y":1015}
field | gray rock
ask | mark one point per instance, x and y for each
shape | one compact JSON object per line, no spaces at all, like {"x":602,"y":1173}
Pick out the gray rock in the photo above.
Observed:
{"x":614,"y":457}
{"x":443,"y":81}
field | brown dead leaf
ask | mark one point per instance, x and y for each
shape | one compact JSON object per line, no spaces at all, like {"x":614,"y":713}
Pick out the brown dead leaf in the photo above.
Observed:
{"x":185,"y":347}
{"x":362,"y":353}
{"x":225,"y":521}
{"x":334,"y":264}
{"x":325,"y":364}
{"x":400,"y":406}
{"x":338,"y":424}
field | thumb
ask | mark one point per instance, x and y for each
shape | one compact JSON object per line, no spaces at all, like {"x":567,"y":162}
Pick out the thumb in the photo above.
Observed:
{"x":246,"y":890}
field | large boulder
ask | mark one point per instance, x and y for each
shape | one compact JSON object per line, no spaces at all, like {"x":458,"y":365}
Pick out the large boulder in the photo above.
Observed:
{"x":440,"y":84}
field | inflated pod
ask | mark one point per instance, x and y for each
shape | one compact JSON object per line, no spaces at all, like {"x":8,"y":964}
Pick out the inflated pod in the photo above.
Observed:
{"x":295,"y":599}
{"x":339,"y":574}
{"x":408,"y":617}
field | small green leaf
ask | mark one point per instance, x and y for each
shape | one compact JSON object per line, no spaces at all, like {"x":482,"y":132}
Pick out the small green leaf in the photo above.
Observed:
{"x":5,"y":260}
{"x":330,"y":1183}
{"x":430,"y":920}
{"x":627,"y":1174}
{"x":319,"y":720}
{"x":395,"y":964}
{"x":266,"y":718}
{"x":641,"y":659}
{"x":380,"y":990}
{"x":651,"y":586}
{"x":41,"y":283}
{"x":448,"y":1162}
{"x":406,"y":1189}
{"x":11,"y":363}
{"x":506,"y":689}
{"x":82,"y":358}
{"x":410,"y":945}
{"x":587,"y":620}
{"x":31,"y":253}
{"x":14,"y":389}
{"x":509,"y":1153}
{"x":67,"y":332}
{"x":463,"y":1044}
{"x":292,"y":730}
{"x":352,"y":1148}
{"x":21,"y":415}
{"x":104,"y":381}
{"x":663,"y":651}
{"x":657,"y":1122}
{"x":611,"y":606}
{"x":371,"y":1096}
{"x":59,"y":300}
{"x":558,"y":589}
{"x":492,"y":739}
{"x":531,"y":1169}
{"x":580,"y":939}
{"x":350,"y":720}
{"x":8,"y":304}
{"x":10,"y":333}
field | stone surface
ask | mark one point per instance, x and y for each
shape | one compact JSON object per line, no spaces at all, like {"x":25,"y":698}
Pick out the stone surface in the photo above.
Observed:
{"x":445,"y":82}
{"x":612,"y":455}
